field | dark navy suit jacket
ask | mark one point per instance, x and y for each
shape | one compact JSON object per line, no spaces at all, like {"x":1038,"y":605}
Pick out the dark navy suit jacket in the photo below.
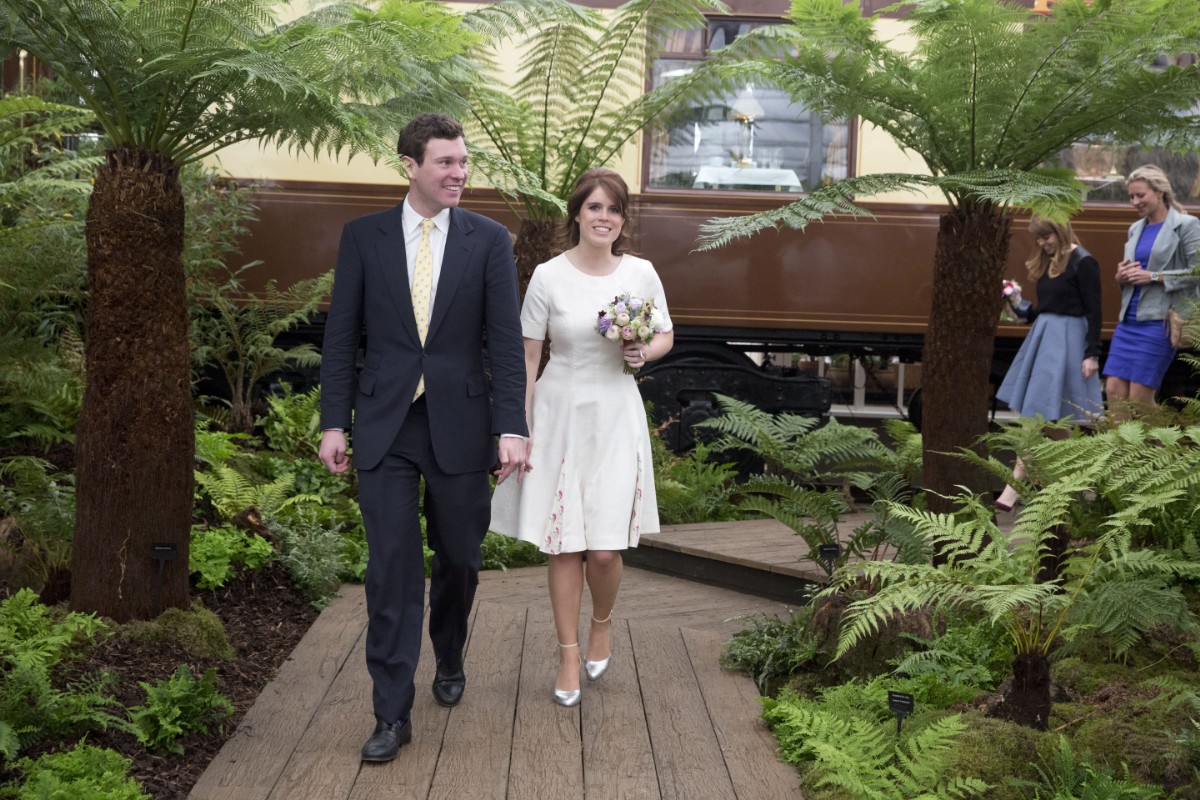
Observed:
{"x":476,"y":293}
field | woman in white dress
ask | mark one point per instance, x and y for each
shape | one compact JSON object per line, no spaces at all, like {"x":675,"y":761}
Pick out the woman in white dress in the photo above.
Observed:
{"x":588,"y":483}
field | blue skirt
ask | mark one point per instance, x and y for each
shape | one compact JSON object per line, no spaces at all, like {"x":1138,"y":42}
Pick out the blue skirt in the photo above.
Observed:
{"x":1046,"y":377}
{"x":1140,"y":352}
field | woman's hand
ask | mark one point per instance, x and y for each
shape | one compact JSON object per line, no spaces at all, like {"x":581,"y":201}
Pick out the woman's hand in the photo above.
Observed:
{"x":1090,"y":367}
{"x":1132,"y":272}
{"x":635,"y":354}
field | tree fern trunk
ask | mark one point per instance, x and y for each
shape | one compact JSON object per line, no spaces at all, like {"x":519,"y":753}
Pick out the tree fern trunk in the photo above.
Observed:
{"x":135,"y":439}
{"x":536,"y":244}
{"x":972,"y":246}
{"x":1027,"y":702}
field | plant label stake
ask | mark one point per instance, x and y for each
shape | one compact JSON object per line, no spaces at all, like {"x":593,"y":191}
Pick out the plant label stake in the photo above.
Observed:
{"x":162,"y":553}
{"x":828,"y":555}
{"x":901,"y":704}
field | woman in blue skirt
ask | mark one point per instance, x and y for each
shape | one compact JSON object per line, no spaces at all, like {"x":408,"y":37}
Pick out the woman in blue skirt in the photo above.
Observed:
{"x":1056,"y":371}
{"x":1160,"y":251}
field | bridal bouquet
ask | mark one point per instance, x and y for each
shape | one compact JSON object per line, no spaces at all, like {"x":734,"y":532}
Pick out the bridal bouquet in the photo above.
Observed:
{"x":629,"y":319}
{"x":1014,"y":307}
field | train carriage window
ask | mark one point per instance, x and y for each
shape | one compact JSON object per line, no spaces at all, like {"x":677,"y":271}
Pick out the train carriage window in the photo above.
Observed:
{"x":1102,"y":164}
{"x":754,"y":139}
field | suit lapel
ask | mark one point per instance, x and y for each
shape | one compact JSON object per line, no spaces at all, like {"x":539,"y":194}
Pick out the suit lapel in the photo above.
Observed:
{"x":393,"y":260}
{"x":454,"y":266}
{"x":1166,"y":241}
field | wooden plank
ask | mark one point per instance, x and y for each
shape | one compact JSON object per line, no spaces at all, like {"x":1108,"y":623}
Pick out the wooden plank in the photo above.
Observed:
{"x":474,"y":762}
{"x":249,"y":764}
{"x":687,"y":757}
{"x":617,"y":755}
{"x":409,"y":776}
{"x":547,"y":751}
{"x":746,"y":744}
{"x":326,"y":761}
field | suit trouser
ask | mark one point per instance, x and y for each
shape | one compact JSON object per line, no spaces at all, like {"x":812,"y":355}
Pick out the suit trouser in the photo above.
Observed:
{"x":457,"y":513}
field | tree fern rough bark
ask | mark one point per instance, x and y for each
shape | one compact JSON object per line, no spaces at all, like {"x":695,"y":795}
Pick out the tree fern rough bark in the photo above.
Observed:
{"x":972,"y":246}
{"x":1027,"y":700}
{"x":135,"y":440}
{"x":535,"y":245}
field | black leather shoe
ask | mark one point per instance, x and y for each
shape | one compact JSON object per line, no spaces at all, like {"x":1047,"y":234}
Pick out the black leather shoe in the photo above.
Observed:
{"x":387,"y":740}
{"x":448,"y":685}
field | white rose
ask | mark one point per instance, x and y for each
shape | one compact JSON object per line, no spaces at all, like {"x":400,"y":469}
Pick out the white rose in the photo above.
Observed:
{"x":656,"y":320}
{"x":612,"y":333}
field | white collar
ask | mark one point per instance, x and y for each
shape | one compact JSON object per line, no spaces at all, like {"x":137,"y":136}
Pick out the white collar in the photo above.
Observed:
{"x":412,"y":220}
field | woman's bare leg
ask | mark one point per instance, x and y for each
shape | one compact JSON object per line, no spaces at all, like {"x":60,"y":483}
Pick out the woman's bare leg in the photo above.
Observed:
{"x":565,"y":578}
{"x":1117,"y":390}
{"x":1008,"y":498}
{"x":604,"y":570}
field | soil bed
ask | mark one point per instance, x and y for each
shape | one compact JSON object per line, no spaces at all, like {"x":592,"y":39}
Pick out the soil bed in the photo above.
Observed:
{"x":264,"y":616}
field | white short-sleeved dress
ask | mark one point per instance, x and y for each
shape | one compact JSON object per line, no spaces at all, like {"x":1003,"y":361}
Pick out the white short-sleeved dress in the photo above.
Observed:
{"x":592,"y":482}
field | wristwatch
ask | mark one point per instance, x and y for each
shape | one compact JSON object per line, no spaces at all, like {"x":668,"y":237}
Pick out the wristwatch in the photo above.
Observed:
{"x":1156,"y":277}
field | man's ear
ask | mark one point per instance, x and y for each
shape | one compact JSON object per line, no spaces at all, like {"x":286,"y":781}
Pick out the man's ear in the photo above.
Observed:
{"x":408,"y":162}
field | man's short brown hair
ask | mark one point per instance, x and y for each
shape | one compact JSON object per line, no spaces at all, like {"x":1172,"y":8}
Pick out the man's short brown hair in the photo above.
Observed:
{"x":421,"y":129}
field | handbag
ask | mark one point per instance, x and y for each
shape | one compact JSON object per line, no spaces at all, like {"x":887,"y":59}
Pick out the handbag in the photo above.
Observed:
{"x":1180,"y":339}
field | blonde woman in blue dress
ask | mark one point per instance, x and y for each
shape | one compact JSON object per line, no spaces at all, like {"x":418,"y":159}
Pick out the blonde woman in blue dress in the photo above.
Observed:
{"x":588,"y":484}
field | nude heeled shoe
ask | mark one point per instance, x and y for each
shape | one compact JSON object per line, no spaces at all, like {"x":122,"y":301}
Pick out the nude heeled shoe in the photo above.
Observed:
{"x":567,"y":697}
{"x":595,"y":669}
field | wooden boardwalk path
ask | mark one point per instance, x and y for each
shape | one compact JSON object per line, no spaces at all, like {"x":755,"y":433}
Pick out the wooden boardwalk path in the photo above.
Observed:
{"x":665,"y":722}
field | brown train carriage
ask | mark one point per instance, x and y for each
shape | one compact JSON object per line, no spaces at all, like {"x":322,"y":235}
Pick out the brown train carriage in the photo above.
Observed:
{"x":848,"y":287}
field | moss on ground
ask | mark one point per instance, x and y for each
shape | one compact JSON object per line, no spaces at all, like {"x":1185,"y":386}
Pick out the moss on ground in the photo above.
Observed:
{"x":198,"y":631}
{"x":1001,"y":753}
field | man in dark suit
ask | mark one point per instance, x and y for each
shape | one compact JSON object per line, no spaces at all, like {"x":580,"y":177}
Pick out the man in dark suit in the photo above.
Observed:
{"x":425,"y":282}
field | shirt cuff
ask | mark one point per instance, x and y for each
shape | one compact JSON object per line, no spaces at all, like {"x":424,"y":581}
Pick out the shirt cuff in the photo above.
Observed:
{"x":511,"y":436}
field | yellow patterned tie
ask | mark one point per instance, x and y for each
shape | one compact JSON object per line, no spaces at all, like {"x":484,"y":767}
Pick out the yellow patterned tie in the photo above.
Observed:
{"x":422,"y":289}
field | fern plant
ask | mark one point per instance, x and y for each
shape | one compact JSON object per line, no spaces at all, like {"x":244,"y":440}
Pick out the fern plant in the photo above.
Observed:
{"x":32,"y":644}
{"x":801,"y":451}
{"x":293,"y":421}
{"x":806,"y":448}
{"x":863,"y":758}
{"x":569,"y":109}
{"x":1122,"y":465}
{"x":241,"y":338}
{"x":213,"y":552}
{"x":997,"y":574}
{"x":83,"y":772}
{"x":177,"y":707}
{"x":41,"y":501}
{"x":1073,"y":777}
{"x":43,"y":192}
{"x":232,"y":493}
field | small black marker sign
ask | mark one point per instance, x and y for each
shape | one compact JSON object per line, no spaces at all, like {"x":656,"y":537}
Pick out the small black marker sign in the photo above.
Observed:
{"x":828,"y":553}
{"x":901,"y":704}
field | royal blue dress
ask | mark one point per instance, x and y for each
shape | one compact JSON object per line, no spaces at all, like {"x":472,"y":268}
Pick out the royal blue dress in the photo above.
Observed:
{"x":1140,"y":352}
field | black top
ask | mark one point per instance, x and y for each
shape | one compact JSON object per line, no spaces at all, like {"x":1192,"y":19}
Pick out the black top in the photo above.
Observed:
{"x":1074,"y":293}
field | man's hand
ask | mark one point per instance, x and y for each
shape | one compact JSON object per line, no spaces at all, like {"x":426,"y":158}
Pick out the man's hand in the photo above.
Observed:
{"x":514,"y":456}
{"x":332,"y":452}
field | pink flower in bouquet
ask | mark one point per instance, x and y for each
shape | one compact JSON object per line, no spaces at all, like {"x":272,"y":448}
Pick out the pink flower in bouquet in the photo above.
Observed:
{"x":1010,"y":291}
{"x":628,"y":319}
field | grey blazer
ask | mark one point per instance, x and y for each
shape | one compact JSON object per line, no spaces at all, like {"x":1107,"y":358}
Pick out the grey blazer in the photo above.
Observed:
{"x":1174,"y":254}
